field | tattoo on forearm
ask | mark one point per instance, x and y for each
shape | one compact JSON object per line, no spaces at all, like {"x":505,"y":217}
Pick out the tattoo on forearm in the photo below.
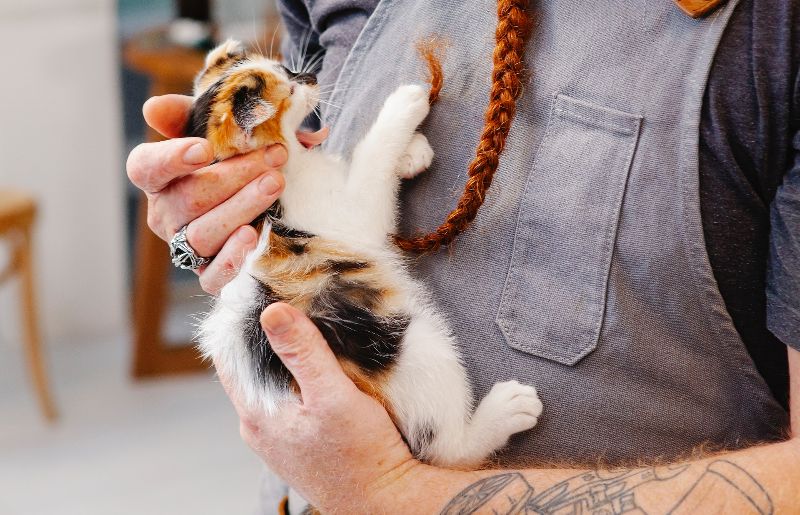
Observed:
{"x":722,"y":484}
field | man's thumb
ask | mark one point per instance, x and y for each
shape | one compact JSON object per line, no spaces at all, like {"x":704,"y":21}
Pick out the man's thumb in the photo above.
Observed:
{"x":168,"y":114}
{"x":301,"y":347}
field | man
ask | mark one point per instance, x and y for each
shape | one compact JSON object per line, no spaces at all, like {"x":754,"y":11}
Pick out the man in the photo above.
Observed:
{"x":637,"y":258}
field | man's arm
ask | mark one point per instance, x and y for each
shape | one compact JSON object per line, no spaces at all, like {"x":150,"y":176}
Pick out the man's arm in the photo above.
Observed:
{"x":339,"y":449}
{"x":758,"y":480}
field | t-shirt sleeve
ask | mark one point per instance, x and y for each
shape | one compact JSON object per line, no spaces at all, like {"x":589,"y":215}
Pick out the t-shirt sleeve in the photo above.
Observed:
{"x":298,"y":35}
{"x":783,"y":272}
{"x":323,"y":31}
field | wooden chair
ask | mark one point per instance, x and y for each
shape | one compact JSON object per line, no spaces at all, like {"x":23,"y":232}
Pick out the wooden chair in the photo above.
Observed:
{"x":17,"y":215}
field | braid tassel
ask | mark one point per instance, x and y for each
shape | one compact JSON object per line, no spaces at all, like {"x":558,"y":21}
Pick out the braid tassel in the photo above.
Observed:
{"x":513,"y":28}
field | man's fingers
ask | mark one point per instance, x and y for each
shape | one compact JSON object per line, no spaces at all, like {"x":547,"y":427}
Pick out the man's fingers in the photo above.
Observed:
{"x":301,"y":347}
{"x":198,"y":193}
{"x":168,"y":114}
{"x":151,"y":166}
{"x":312,"y":139}
{"x":207,"y":233}
{"x":227,"y":263}
{"x":209,"y":187}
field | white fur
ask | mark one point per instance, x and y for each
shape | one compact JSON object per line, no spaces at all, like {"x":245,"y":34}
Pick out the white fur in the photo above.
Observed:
{"x":417,"y":158}
{"x":356,"y":203}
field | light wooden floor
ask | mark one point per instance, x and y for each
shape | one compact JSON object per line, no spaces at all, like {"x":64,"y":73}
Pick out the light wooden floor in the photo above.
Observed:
{"x":158,"y":447}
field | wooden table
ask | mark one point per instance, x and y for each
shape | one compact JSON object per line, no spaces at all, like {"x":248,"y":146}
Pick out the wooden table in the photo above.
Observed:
{"x":171,"y":69}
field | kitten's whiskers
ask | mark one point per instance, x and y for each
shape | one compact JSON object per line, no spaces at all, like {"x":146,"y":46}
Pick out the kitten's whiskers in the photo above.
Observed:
{"x":272,"y":41}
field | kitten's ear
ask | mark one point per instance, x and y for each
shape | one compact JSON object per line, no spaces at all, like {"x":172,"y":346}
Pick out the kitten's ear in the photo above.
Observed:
{"x":250,"y":110}
{"x":218,"y":61}
{"x":230,"y":50}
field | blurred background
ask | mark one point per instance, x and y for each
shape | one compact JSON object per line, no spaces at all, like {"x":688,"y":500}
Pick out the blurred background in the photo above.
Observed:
{"x":104,"y":405}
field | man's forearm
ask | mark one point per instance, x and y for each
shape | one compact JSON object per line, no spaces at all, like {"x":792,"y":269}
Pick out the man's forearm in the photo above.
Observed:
{"x":759,"y":480}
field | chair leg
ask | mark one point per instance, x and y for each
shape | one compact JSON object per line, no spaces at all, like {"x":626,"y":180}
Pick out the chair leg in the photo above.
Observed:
{"x":33,"y":346}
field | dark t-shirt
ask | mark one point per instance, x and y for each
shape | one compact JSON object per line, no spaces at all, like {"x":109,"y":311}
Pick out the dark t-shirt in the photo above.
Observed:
{"x":751,"y":113}
{"x":750,"y":122}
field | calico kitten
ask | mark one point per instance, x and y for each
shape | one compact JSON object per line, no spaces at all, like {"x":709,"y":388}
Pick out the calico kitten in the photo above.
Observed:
{"x":328,"y":251}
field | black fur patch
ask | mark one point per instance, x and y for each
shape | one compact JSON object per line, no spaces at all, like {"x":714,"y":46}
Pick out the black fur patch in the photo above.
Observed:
{"x":343,"y":314}
{"x":338,"y":267}
{"x":244,"y":101}
{"x":265,"y":362}
{"x":197,"y":124}
{"x":425,"y":436}
{"x":287,"y":232}
{"x":297,"y":247}
{"x":272,"y":216}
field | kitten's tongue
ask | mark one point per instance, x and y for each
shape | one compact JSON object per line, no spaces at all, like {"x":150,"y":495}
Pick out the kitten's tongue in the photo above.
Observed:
{"x":312,"y":139}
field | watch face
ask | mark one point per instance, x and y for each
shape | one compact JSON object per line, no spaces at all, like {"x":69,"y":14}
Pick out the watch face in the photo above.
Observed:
{"x":698,"y":8}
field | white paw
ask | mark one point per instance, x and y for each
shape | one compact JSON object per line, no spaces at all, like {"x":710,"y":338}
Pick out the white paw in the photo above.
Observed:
{"x":509,"y":408}
{"x":417,"y":159}
{"x":408,"y":103}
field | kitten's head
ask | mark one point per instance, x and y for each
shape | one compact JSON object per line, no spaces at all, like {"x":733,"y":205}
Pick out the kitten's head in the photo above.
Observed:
{"x":244,"y":101}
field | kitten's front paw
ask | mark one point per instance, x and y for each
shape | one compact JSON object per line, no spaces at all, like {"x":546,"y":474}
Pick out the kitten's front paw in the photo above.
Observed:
{"x":509,"y":408}
{"x":408,"y":103}
{"x":418,"y":157}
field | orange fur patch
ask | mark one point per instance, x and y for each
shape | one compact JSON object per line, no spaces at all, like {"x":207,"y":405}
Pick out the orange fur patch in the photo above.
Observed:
{"x":299,"y":276}
{"x":226,"y":137}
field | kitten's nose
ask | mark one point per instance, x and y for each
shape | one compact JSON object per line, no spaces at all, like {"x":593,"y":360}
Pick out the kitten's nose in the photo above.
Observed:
{"x":300,"y":78}
{"x":305,"y":78}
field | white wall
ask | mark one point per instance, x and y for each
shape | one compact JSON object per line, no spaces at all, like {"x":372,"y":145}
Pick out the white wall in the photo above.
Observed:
{"x":60,"y":138}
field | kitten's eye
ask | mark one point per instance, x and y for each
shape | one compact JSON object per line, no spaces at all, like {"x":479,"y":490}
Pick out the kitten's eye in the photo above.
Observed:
{"x":291,"y":89}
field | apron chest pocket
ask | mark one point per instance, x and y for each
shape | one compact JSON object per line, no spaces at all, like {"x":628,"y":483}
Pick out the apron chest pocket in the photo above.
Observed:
{"x":554,"y":297}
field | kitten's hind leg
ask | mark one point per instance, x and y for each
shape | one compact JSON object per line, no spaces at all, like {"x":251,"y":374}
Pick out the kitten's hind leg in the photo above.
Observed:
{"x":373,"y":180}
{"x":509,"y":408}
{"x":431,"y":398}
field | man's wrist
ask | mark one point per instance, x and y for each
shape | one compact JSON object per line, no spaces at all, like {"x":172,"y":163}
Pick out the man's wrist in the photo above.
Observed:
{"x":415,"y":487}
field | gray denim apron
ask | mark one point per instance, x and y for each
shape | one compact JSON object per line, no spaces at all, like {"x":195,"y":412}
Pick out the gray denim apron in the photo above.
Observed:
{"x":585,"y":273}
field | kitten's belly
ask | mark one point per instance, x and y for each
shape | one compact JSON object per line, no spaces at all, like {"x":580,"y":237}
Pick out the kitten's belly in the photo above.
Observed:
{"x":362,"y":313}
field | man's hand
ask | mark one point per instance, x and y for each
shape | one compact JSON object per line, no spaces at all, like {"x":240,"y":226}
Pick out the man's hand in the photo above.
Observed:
{"x":337,"y":447}
{"x":217,"y":201}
